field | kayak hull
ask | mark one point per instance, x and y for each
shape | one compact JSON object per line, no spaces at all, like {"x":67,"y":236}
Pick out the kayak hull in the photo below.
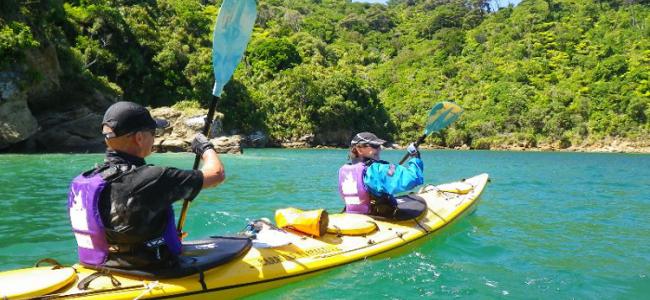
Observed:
{"x":261,"y":269}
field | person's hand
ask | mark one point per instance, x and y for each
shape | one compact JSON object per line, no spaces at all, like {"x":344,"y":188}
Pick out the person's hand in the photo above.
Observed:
{"x":200,"y":144}
{"x":412,"y":149}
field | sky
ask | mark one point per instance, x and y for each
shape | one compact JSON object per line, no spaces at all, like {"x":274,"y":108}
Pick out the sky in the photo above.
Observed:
{"x":501,"y":3}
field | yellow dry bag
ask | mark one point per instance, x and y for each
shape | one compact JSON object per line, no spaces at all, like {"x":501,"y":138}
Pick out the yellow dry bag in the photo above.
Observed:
{"x":313,"y":222}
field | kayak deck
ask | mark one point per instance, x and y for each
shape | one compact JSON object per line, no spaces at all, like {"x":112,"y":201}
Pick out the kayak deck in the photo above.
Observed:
{"x":265,"y":268}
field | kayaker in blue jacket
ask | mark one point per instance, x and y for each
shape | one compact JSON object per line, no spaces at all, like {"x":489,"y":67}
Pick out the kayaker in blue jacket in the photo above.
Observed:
{"x":121,"y":211}
{"x":368,"y":185}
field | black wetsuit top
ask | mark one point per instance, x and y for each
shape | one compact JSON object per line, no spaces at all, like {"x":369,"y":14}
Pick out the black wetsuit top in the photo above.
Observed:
{"x":133,"y":207}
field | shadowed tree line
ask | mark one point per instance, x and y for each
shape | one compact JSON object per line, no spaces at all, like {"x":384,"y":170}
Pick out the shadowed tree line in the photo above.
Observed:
{"x":545,"y":71}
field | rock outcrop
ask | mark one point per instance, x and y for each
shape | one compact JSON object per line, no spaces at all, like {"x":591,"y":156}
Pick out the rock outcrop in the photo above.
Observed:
{"x":17,"y":123}
{"x":183,"y":127}
{"x":77,"y":130}
{"x":256,"y":140}
{"x":305,"y":141}
{"x":32,"y":84}
{"x":74,"y":126}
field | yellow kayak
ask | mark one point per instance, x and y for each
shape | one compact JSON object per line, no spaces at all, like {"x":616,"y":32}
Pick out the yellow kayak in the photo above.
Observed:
{"x":274,"y":258}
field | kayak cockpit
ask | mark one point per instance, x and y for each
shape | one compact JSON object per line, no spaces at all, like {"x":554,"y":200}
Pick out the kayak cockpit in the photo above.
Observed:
{"x":409,"y":207}
{"x":197,"y":256}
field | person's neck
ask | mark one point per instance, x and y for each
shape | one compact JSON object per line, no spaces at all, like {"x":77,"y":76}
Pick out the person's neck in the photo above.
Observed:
{"x":121,"y":157}
{"x":361,"y":159}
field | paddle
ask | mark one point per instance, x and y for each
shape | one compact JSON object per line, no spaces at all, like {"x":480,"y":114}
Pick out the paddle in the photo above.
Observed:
{"x":441,"y":115}
{"x":232,"y":32}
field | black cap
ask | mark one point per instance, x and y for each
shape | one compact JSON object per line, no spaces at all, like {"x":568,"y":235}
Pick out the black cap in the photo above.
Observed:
{"x":366,"y":138}
{"x":126,"y":117}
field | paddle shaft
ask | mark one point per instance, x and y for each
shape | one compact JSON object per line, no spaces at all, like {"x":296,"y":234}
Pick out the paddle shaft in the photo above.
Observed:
{"x":197,"y":160}
{"x":417,"y":143}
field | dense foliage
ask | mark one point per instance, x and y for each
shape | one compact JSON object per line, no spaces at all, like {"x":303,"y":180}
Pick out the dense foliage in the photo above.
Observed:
{"x":545,"y":71}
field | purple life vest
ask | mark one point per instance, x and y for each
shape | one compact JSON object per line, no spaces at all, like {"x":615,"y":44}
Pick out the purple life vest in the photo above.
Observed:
{"x":352,"y":189}
{"x":83,"y":202}
{"x":87,"y":225}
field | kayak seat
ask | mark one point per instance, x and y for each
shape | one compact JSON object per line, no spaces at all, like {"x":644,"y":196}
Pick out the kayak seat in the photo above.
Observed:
{"x":409,"y":207}
{"x":197,"y":256}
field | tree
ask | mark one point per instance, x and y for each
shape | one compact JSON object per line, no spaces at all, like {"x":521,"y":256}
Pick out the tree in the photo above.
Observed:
{"x":273,"y":55}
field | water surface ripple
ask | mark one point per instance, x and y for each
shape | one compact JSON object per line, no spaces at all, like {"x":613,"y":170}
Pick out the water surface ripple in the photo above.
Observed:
{"x":550,"y":225}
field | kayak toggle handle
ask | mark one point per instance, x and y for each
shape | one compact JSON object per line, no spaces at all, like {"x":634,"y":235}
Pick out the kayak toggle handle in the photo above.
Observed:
{"x":83,"y":284}
{"x":48,"y":260}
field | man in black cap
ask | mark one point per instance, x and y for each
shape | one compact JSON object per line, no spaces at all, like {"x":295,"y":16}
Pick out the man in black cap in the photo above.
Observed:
{"x":368,"y":185}
{"x":121,"y":211}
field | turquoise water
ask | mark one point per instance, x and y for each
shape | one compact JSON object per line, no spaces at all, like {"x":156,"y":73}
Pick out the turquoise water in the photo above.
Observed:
{"x":550,"y":225}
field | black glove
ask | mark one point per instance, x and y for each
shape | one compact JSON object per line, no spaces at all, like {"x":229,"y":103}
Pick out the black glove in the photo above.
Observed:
{"x":200,"y":144}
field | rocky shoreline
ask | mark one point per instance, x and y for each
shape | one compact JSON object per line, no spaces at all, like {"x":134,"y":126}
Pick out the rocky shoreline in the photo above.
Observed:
{"x":623,"y":147}
{"x":606,"y":146}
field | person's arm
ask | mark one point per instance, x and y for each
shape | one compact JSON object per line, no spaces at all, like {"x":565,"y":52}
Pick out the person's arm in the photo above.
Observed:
{"x":392,"y":179}
{"x":409,"y":176}
{"x":212,"y":169}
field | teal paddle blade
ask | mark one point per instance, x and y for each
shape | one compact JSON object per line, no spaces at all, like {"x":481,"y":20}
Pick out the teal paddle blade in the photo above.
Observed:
{"x":441,"y":115}
{"x":231,"y":35}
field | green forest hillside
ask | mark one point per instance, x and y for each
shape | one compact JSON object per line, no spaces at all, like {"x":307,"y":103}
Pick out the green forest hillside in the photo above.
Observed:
{"x":561,"y":72}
